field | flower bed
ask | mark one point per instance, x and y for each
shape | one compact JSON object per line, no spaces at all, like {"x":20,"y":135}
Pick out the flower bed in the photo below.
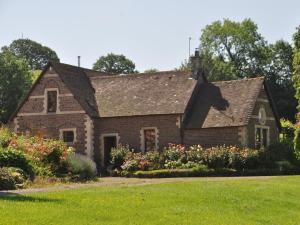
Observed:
{"x":36,"y":156}
{"x":179,"y":160}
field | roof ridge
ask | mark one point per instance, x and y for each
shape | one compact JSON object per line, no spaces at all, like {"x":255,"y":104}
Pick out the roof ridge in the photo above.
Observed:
{"x":160,"y":73}
{"x":106,"y":74}
{"x":238,"y":80}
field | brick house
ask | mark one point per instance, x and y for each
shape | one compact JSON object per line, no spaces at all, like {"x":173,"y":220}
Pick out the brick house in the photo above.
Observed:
{"x":95,"y":111}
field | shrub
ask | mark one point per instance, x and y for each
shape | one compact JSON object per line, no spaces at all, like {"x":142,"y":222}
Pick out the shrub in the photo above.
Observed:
{"x":82,"y":167}
{"x":175,"y":152}
{"x":51,"y":154}
{"x":297,"y":141}
{"x":14,"y":158}
{"x":179,"y":157}
{"x":287,"y":131}
{"x":5,"y":136}
{"x":11,"y":178}
{"x":285,"y":166}
{"x":195,"y":154}
{"x":277,"y":152}
{"x":155,"y":160}
{"x":131,"y":161}
{"x":118,"y":155}
{"x":217,"y":157}
{"x":7,"y":181}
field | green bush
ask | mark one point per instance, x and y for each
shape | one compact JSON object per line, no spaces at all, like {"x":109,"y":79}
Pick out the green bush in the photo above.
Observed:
{"x":179,"y":157}
{"x":131,"y":162}
{"x":44,"y":154}
{"x":7,"y":180}
{"x":5,"y":137}
{"x":285,"y":166}
{"x":13,"y":158}
{"x":81,"y":167}
{"x":155,"y":159}
{"x":118,"y":155}
{"x":11,"y":178}
{"x":287,"y":131}
{"x":228,"y":158}
{"x":297,"y":141}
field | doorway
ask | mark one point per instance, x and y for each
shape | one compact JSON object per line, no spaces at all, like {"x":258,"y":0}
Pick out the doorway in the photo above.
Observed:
{"x":109,"y":142}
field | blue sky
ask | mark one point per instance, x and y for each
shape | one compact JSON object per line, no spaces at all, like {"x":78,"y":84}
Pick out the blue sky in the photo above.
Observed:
{"x":153,"y":33}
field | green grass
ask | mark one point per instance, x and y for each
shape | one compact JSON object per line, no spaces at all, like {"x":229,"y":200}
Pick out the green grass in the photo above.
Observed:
{"x":274,"y":200}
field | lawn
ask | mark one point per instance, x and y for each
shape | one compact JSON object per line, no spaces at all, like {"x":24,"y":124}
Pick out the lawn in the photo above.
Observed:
{"x":272,"y":200}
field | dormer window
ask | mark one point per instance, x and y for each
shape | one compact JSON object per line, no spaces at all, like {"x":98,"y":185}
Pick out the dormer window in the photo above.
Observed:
{"x":52,"y":101}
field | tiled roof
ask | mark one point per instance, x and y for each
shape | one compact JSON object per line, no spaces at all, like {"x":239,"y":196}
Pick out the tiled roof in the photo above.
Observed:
{"x":218,"y":104}
{"x":143,"y":94}
{"x":79,"y":84}
{"x":224,"y":103}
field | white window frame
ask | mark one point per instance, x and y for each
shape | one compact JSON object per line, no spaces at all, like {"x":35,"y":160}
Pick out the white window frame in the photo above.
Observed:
{"x":46,"y":100}
{"x":102,"y":143}
{"x":61,"y":136}
{"x":142,"y":137}
{"x":268,"y":134}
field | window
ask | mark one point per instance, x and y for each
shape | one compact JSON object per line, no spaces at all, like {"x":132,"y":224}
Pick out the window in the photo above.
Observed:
{"x":68,"y":135}
{"x":51,"y":101}
{"x":262,"y":116}
{"x":261,"y":137}
{"x":149,"y":139}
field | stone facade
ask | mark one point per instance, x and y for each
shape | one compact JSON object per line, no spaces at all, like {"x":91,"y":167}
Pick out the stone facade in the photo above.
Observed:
{"x":128,"y":131}
{"x":208,"y":137}
{"x":270,"y":123}
{"x":33,"y":118}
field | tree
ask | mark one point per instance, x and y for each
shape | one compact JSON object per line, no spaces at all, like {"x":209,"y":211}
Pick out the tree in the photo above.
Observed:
{"x":152,"y":70}
{"x":234,"y":50}
{"x":112,"y":63}
{"x":36,"y":55}
{"x":15,"y":80}
{"x":296,"y":64}
{"x":296,"y":80}
{"x":279,"y":78}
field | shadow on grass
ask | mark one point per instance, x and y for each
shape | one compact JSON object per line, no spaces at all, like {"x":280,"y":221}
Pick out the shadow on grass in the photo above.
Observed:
{"x":11,"y":196}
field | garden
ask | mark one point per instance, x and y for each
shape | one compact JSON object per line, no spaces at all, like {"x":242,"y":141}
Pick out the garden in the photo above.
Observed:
{"x":26,"y":160}
{"x":176,"y":160}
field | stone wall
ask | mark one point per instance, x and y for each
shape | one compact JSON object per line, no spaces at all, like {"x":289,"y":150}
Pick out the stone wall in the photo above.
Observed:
{"x":128,"y":130}
{"x":33,"y":119}
{"x":262,"y":101}
{"x":208,"y":137}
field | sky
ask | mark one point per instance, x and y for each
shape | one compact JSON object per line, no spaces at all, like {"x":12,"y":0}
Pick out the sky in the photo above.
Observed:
{"x":152,"y":33}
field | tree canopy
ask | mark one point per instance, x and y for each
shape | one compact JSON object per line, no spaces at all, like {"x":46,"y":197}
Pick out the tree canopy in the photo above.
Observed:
{"x":113,"y":63}
{"x":36,"y":55}
{"x":278,"y":74}
{"x":15,"y":80}
{"x":235,"y":50}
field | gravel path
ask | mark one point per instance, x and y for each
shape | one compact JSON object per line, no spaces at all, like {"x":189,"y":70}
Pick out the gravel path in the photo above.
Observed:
{"x":120,"y":181}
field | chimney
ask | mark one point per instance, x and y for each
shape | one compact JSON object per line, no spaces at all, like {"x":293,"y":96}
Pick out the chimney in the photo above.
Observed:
{"x":197,"y":70}
{"x":78,"y":60}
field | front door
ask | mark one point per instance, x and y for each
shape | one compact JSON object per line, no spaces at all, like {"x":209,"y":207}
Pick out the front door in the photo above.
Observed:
{"x":109,"y":143}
